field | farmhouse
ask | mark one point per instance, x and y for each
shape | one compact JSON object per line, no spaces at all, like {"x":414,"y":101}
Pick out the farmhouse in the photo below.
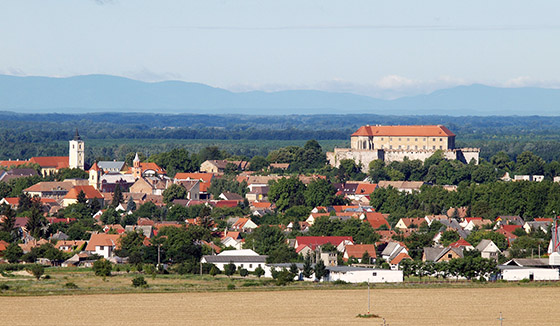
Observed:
{"x":244,"y":258}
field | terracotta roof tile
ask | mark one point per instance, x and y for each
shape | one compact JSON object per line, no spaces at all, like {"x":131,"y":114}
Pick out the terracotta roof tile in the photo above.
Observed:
{"x":421,"y":131}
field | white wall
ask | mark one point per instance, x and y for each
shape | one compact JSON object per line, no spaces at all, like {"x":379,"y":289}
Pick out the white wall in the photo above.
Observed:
{"x":373,"y":275}
{"x":539,"y":274}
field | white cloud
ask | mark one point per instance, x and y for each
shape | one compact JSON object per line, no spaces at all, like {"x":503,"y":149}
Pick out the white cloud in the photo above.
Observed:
{"x":527,"y":81}
{"x":147,"y":75}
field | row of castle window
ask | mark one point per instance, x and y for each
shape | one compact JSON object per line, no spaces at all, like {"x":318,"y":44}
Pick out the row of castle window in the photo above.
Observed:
{"x":415,"y":139}
{"x":408,"y":147}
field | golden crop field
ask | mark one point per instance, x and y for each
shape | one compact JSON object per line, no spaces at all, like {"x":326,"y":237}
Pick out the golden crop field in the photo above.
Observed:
{"x":467,"y":306}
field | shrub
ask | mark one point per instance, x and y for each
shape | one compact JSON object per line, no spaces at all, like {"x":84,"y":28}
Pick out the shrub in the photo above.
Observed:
{"x":259,"y":271}
{"x":243,"y":272}
{"x":229,"y":269}
{"x":139,"y":282}
{"x":70,"y":285}
{"x":214,"y":270}
{"x":37,"y":270}
{"x":283,"y":277}
{"x":231,"y":286}
{"x":339,"y":282}
{"x":102,"y":267}
{"x":4,"y":287}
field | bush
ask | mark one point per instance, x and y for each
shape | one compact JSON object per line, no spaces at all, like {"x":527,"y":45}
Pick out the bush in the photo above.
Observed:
{"x":4,"y":287}
{"x":243,"y":272}
{"x":231,"y":286}
{"x":259,"y":271}
{"x":37,"y":270}
{"x":139,"y":282}
{"x":339,"y":282}
{"x":229,"y":269}
{"x":214,"y":270}
{"x":282,"y":277}
{"x":102,"y":267}
{"x":70,"y":285}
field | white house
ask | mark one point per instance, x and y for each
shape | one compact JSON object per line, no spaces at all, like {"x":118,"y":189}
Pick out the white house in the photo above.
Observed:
{"x":102,"y":244}
{"x":244,"y":258}
{"x":361,"y":274}
{"x":488,"y":249}
{"x":518,"y":273}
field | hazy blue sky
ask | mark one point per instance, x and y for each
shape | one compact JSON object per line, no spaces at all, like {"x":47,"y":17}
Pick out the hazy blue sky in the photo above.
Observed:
{"x":379,"y":48}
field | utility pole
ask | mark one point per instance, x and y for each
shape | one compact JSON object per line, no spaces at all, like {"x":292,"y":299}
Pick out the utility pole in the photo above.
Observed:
{"x":501,"y":319}
{"x":368,"y":297}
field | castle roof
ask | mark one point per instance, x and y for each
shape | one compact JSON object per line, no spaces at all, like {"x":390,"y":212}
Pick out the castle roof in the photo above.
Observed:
{"x":420,"y":131}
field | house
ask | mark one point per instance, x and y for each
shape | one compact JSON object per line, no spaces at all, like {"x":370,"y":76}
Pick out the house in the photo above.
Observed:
{"x":375,"y":219}
{"x":51,"y":164}
{"x":9,"y":164}
{"x":488,"y":249}
{"x":279,"y":166}
{"x":145,"y":169}
{"x":313,"y":216}
{"x":258,"y":193}
{"x":402,"y":186}
{"x":150,"y":185}
{"x":204,"y":179}
{"x":244,"y":258}
{"x":535,"y":178}
{"x":512,"y":220}
{"x":90,"y":194}
{"x":392,"y":250}
{"x":219,"y":166}
{"x":357,"y":251}
{"x":108,"y":182}
{"x":537,"y":269}
{"x":6,"y":176}
{"x":230,"y":196}
{"x":410,"y":223}
{"x":3,"y":246}
{"x":352,"y":274}
{"x":395,"y":262}
{"x":539,"y":224}
{"x":471,"y":223}
{"x":103,"y":244}
{"x":112,"y":166}
{"x":50,"y":189}
{"x":340,"y":242}
{"x":242,"y":224}
{"x":441,"y":254}
{"x":146,"y":230}
{"x":463,"y":244}
{"x":69,"y":245}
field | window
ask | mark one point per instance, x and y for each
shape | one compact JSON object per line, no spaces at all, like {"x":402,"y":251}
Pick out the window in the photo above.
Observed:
{"x":399,"y":146}
{"x":241,"y":266}
{"x":390,"y":146}
{"x":399,"y":139}
{"x":441,"y":139}
{"x":415,"y":139}
{"x":407,"y":146}
{"x":415,"y":146}
{"x":408,"y":139}
{"x":440,"y":147}
{"x":424,"y":138}
{"x":259,"y":265}
{"x":250,"y":265}
{"x":433,"y":139}
{"x":374,"y":273}
{"x":449,"y":256}
{"x":101,"y":247}
{"x":381,"y":138}
{"x":433,"y":147}
{"x":424,"y":147}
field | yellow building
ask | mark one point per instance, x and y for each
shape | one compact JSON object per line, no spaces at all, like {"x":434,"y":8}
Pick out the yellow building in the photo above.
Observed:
{"x":403,"y":137}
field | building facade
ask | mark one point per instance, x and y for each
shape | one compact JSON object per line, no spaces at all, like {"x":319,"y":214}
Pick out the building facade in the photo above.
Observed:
{"x":76,"y":152}
{"x":395,"y":143}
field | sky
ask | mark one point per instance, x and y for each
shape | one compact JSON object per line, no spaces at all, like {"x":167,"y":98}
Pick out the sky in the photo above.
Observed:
{"x":384,"y":49}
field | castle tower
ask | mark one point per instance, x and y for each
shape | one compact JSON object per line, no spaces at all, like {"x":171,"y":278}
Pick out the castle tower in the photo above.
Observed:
{"x":136,"y":168}
{"x":76,"y":152}
{"x":95,"y":174}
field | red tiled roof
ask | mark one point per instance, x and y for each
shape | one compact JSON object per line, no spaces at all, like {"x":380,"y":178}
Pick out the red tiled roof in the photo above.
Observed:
{"x":318,"y":241}
{"x":226,"y":203}
{"x":543,"y":219}
{"x":358,"y":250}
{"x":460,"y":243}
{"x":95,"y":167}
{"x":257,"y":204}
{"x":231,"y":234}
{"x":399,"y":258}
{"x":58,"y":162}
{"x":365,"y":188}
{"x":13,"y":163}
{"x":89,"y":191}
{"x":510,"y":228}
{"x":3,"y":245}
{"x":421,"y":131}
{"x":102,"y":239}
{"x":376,"y":220}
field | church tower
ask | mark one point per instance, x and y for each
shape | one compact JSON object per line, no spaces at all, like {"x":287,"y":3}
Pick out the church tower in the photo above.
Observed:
{"x":136,"y":167}
{"x":95,"y":174}
{"x":76,"y":152}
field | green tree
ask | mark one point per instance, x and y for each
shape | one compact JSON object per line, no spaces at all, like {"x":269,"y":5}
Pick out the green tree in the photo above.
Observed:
{"x":307,"y":267}
{"x":175,"y":191}
{"x":448,"y":237}
{"x":8,"y":224}
{"x":265,"y":239}
{"x":37,"y":270}
{"x":117,"y":197}
{"x":319,"y":192}
{"x":286,"y":193}
{"x":130,"y":205}
{"x":13,"y":253}
{"x":36,"y":224}
{"x":243,"y":272}
{"x":349,"y":170}
{"x":259,"y":271}
{"x":366,"y":258}
{"x":229,"y":269}
{"x":320,"y":270}
{"x":258,"y":163}
{"x":102,"y":267}
{"x":82,"y":197}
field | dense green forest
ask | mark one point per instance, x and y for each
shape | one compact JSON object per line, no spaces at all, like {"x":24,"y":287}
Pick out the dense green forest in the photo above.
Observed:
{"x":113,"y":135}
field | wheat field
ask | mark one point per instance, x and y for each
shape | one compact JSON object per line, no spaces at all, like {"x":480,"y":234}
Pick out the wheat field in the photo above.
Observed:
{"x":479,"y":306}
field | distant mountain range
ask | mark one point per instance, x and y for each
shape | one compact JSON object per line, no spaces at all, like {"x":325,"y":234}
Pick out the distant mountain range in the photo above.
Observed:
{"x":105,"y":93}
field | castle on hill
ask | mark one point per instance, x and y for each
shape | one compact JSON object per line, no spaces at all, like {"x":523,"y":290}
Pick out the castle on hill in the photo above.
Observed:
{"x":394,"y":143}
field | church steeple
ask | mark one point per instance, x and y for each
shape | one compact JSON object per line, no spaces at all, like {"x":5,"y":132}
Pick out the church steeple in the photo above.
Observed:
{"x":77,"y":135}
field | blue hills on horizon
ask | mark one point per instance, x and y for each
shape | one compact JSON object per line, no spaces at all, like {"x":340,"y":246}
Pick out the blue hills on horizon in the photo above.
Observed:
{"x":106,"y":93}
